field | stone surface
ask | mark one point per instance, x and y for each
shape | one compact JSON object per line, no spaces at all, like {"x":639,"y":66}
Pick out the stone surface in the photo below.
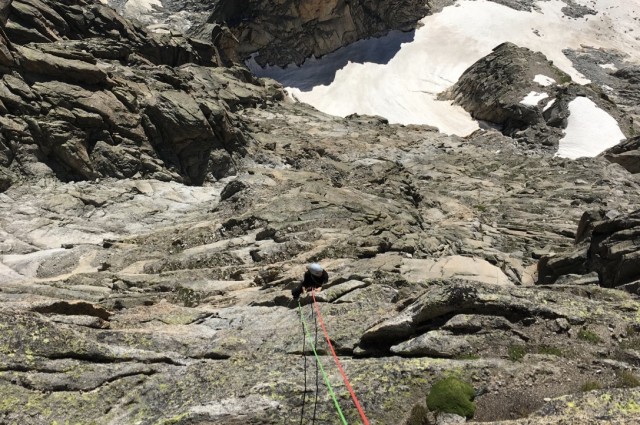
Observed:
{"x":128,"y":296}
{"x":608,"y":245}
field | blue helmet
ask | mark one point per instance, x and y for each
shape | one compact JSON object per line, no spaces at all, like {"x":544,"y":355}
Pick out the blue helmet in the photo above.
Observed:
{"x":315,"y":269}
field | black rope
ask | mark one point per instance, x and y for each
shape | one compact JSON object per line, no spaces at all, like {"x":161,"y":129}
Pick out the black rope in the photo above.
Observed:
{"x":315,"y":404}
{"x":304,"y":355}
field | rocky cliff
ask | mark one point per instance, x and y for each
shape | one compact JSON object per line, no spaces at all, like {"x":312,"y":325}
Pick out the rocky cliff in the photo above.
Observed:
{"x":86,"y":94}
{"x":288,"y":32}
{"x":157,"y":207}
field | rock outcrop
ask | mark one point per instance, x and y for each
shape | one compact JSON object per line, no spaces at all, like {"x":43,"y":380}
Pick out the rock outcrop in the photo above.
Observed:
{"x":607,"y":244}
{"x":190,"y":286}
{"x":122,"y":105}
{"x":289,"y":32}
{"x":524,"y":95}
{"x":128,"y":296}
{"x":626,"y":154}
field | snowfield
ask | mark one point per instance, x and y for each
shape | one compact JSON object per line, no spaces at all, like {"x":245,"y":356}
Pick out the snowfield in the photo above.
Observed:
{"x":404,"y":88}
{"x":590,"y":130}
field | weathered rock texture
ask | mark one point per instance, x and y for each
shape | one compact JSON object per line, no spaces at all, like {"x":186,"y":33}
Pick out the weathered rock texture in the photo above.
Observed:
{"x":626,"y":154}
{"x":613,"y":76}
{"x":607,"y":245}
{"x":288,"y":32}
{"x":137,"y":299}
{"x":125,"y":104}
{"x":172,"y":303}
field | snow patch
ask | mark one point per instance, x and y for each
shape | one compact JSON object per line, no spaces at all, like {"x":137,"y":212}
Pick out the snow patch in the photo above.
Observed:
{"x":549,"y":105}
{"x":543,"y":80}
{"x":608,"y":66}
{"x":403,"y":85}
{"x":533,"y":98}
{"x":590,"y":130}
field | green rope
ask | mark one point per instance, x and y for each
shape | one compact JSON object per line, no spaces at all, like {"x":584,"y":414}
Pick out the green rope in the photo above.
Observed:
{"x":324,"y":375}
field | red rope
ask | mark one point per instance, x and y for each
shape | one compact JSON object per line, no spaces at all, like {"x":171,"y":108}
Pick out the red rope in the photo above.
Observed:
{"x":335,"y":358}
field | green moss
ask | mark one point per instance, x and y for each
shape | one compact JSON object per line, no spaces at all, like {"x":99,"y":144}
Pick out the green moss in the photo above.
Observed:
{"x":517,"y":352}
{"x":590,"y":386}
{"x":549,"y":350}
{"x":589,"y":336}
{"x":468,"y":357}
{"x":627,"y":379}
{"x":451,"y":395}
{"x":174,"y":420}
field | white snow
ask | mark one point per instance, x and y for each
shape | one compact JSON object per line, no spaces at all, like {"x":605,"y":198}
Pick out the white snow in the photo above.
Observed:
{"x":402,"y":84}
{"x":608,"y":66}
{"x":135,"y":7}
{"x":543,"y":80}
{"x":590,"y":130}
{"x":549,"y":105}
{"x":533,"y":98}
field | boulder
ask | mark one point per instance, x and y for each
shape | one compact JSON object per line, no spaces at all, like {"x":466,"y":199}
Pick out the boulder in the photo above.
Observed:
{"x":608,"y":245}
{"x":627,"y":154}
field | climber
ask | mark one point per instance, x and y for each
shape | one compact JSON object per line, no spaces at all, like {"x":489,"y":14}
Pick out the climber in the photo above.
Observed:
{"x":314,"y":278}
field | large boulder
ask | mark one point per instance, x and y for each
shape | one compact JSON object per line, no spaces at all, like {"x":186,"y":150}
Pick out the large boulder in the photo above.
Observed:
{"x":608,"y":245}
{"x":626,"y":154}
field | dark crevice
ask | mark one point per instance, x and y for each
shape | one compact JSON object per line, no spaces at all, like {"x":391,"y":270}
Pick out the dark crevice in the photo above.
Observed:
{"x":211,"y":356}
{"x":102,"y":359}
{"x":380,"y":345}
{"x":63,"y":387}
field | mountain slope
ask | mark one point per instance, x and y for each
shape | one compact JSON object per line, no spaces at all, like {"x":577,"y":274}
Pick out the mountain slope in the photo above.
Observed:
{"x":145,"y":278}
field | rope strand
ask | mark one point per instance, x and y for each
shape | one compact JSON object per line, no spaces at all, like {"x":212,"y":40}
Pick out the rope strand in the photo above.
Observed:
{"x":337,"y":361}
{"x":315,"y":404}
{"x":304,"y":356}
{"x":324,"y":375}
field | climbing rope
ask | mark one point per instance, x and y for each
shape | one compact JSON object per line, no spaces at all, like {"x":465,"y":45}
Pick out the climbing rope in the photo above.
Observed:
{"x":304,"y":356}
{"x":337,"y":361}
{"x":315,"y":343}
{"x":324,"y":375}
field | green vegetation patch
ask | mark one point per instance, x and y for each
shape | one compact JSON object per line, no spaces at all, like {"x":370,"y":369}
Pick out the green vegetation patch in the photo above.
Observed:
{"x":549,"y":350}
{"x":451,"y":395}
{"x":589,"y":336}
{"x":517,"y":352}
{"x":590,"y":386}
{"x":627,"y":379}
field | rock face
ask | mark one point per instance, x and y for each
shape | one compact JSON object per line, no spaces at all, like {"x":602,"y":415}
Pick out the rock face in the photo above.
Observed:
{"x":172,"y":303}
{"x":613,"y":75}
{"x":607,"y":245}
{"x":524,"y":95}
{"x":288,"y":32}
{"x":626,"y":154}
{"x":112,"y":106}
{"x":134,"y":298}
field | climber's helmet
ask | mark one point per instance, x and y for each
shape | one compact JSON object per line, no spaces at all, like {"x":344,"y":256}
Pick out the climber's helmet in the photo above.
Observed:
{"x":315,"y":269}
